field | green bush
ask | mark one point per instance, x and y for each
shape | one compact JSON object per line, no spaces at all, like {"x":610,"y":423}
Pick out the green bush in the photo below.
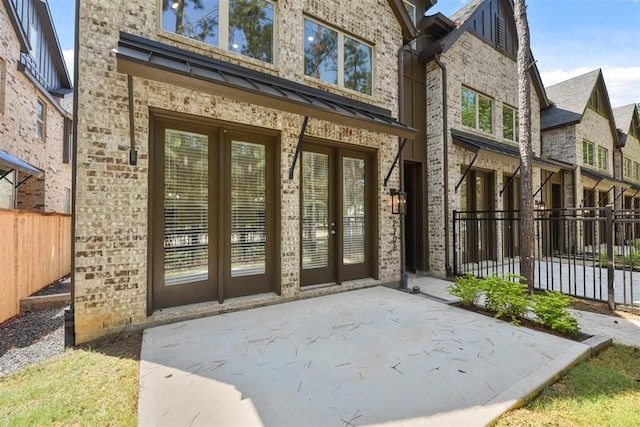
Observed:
{"x":505,"y":297}
{"x":551,"y":310}
{"x":467,"y":288}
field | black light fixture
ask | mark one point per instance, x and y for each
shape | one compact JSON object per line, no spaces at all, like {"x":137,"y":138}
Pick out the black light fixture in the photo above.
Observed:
{"x":540,"y":205}
{"x":398,"y":201}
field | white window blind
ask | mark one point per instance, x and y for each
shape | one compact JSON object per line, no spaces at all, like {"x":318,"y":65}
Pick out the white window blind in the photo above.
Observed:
{"x":248,"y":209}
{"x":353,"y":209}
{"x":186,"y":224}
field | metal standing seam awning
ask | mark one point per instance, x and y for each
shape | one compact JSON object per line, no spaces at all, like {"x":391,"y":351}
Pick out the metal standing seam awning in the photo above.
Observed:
{"x":13,"y":163}
{"x":603,"y":178}
{"x":477,"y":145}
{"x":141,"y":57}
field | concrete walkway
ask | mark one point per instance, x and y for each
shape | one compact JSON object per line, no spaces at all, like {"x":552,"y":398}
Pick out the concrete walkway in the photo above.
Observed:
{"x":369,"y":357}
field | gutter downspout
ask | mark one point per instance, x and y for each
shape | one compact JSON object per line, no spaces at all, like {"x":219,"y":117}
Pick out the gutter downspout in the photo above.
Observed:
{"x":445,"y":163}
{"x":404,"y":277}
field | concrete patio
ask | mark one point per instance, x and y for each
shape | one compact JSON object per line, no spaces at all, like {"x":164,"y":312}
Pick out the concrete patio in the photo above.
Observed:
{"x":369,"y":357}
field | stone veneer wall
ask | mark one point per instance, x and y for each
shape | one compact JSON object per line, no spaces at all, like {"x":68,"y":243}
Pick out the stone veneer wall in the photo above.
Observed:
{"x":18,"y":134}
{"x":472,"y":63}
{"x":111,"y":255}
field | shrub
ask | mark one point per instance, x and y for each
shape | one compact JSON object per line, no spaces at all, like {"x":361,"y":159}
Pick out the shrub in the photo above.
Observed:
{"x":505,"y":297}
{"x":551,"y":310}
{"x":467,"y":288}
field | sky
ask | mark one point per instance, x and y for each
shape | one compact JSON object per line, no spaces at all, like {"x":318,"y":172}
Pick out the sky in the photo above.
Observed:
{"x":568,"y":38}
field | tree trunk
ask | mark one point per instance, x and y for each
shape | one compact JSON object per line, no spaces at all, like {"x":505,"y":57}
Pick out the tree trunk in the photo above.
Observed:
{"x":527,"y":241}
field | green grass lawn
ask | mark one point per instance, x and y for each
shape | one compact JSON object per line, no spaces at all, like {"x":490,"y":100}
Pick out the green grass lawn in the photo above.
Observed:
{"x":603,"y":391}
{"x":93,"y":385}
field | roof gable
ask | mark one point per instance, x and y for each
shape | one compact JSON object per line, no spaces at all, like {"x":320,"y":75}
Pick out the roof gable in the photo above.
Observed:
{"x":627,"y":119}
{"x":493,"y":22}
{"x":572,"y":97}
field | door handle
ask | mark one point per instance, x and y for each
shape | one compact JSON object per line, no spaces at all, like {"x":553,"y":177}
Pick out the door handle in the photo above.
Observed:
{"x":333,"y":228}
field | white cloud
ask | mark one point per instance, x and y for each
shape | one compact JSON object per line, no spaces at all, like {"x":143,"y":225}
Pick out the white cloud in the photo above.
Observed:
{"x":68,"y":55}
{"x":623,"y":83}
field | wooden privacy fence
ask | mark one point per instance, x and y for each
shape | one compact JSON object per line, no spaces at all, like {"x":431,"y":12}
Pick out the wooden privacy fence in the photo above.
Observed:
{"x":35,"y":250}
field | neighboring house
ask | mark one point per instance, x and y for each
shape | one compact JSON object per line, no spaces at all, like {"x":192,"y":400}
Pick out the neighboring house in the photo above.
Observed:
{"x":232,"y":148}
{"x":627,"y":161}
{"x":35,"y":126}
{"x":473,"y":157}
{"x":580,"y":129}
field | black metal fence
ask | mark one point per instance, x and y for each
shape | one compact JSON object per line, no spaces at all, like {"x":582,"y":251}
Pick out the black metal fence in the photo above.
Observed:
{"x":591,"y":253}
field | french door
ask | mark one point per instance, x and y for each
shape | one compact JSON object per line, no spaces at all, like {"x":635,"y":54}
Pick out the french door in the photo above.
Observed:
{"x":337,"y":215}
{"x":213,"y":217}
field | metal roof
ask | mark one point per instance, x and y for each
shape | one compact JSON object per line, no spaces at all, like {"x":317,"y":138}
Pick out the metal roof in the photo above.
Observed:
{"x":153,"y":60}
{"x":475,"y":144}
{"x":15,"y":163}
{"x":598,"y":176}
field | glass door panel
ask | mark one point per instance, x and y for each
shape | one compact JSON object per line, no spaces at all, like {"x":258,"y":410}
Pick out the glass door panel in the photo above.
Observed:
{"x":248,"y":209}
{"x":353,"y":210}
{"x":315,"y":210}
{"x":186,"y":213}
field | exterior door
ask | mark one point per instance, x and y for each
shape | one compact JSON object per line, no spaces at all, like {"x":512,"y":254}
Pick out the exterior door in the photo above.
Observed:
{"x":213,"y":214}
{"x":337,"y":217}
{"x":511,"y":227}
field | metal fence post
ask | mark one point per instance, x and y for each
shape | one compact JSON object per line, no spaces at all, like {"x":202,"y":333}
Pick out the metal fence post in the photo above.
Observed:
{"x":455,"y":245}
{"x":610,"y":269}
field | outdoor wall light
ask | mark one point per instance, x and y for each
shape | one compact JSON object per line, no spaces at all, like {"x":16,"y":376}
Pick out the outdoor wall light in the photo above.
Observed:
{"x":398,"y":201}
{"x":540,"y":205}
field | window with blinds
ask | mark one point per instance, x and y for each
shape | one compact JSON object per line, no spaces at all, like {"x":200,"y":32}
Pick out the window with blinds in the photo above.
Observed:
{"x":186,"y":224}
{"x":353,"y":210}
{"x":248,"y":209}
{"x":315,"y":210}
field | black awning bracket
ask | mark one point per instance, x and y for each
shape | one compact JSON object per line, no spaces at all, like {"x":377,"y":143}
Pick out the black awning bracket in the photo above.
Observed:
{"x":4,"y":175}
{"x":395,"y":161}
{"x":511,"y":178}
{"x":298,"y":147}
{"x":23,"y":181}
{"x":618,"y":196}
{"x":543,"y":184}
{"x":133,"y":152}
{"x":466,"y":171}
{"x":606,"y":194}
{"x":591,"y":191}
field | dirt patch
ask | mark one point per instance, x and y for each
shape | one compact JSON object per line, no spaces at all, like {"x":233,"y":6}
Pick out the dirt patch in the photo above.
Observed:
{"x":124,"y":345}
{"x":603,"y":308}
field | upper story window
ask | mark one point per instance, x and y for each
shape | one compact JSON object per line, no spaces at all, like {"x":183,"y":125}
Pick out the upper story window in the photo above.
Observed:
{"x":595,"y":101}
{"x":3,"y":83}
{"x":333,"y":57}
{"x":33,"y":40}
{"x":41,"y":120}
{"x":510,"y":123}
{"x":588,"y":153}
{"x":603,"y":158}
{"x":411,"y":10}
{"x":636,"y":171}
{"x":626,"y":167}
{"x":476,"y":110}
{"x":242,"y":26}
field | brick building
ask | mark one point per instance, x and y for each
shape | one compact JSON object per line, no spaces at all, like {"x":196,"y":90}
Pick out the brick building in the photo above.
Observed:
{"x":35,"y":124}
{"x":472,"y":130}
{"x":627,"y":159}
{"x":233,"y":155}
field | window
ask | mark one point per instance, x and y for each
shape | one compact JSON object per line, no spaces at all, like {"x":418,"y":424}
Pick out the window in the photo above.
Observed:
{"x":626,"y":167}
{"x":594,"y":100}
{"x":411,"y":10}
{"x":636,"y":171}
{"x":41,"y":120}
{"x":336,"y":58}
{"x":510,"y":123}
{"x":476,"y":110}
{"x":3,"y":82}
{"x":588,"y":153}
{"x":603,"y":158}
{"x":242,"y":26}
{"x":33,"y":41}
{"x":67,"y":141}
